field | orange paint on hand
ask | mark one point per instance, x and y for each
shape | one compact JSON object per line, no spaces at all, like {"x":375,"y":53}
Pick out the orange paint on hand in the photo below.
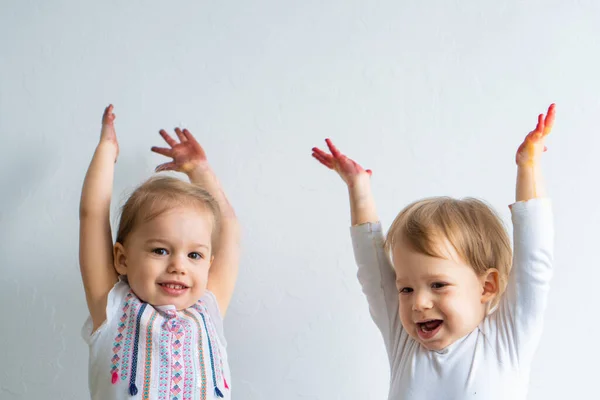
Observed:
{"x":187,"y":167}
{"x":533,"y":145}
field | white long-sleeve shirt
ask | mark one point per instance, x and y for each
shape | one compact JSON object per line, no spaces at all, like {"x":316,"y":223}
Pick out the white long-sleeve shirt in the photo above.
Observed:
{"x":493,"y":361}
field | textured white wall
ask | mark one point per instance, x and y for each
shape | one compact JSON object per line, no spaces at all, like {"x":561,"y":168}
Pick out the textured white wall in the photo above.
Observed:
{"x":433,"y":96}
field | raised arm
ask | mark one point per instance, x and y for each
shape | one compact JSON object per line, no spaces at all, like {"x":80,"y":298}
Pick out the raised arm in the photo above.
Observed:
{"x":95,"y":239}
{"x":375,"y":273}
{"x":358,"y":182}
{"x":520,"y":315}
{"x":530,"y":184}
{"x":189,"y":157}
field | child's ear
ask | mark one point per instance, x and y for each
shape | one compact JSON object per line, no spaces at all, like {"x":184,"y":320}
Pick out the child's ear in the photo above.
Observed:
{"x":490,"y":285}
{"x":120,"y":259}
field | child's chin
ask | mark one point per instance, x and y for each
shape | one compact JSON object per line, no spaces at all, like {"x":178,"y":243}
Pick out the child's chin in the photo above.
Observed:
{"x":435,"y":346}
{"x":180,"y":304}
{"x":184,"y":306}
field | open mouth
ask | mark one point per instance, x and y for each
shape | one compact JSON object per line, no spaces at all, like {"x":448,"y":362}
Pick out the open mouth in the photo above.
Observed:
{"x":173,"y":286}
{"x":173,"y":289}
{"x":428,"y":329}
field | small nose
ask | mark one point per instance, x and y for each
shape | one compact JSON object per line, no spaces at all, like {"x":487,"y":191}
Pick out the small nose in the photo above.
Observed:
{"x":422,"y":301}
{"x":176,"y":264}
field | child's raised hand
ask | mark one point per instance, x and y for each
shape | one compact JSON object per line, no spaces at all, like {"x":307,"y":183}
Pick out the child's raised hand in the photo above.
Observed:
{"x":348,"y":169}
{"x":531,"y":149}
{"x":187,"y":154}
{"x":108,"y":134}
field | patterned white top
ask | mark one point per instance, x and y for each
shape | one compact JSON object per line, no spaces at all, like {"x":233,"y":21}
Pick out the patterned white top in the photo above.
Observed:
{"x":147,"y":352}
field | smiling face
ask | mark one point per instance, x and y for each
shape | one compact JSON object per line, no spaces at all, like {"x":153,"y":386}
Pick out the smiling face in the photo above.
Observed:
{"x":441,"y":299}
{"x":452,"y":258}
{"x":167,"y":258}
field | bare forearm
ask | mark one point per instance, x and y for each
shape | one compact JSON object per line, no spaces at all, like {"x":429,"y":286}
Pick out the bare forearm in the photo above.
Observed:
{"x":98,"y":183}
{"x":530,"y":184}
{"x":95,"y":239}
{"x":362,"y":203}
{"x":224,"y":269}
{"x":230,"y":230}
{"x":206,"y":178}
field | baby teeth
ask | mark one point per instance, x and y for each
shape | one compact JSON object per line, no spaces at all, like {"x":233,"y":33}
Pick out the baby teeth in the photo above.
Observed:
{"x":169,"y":285}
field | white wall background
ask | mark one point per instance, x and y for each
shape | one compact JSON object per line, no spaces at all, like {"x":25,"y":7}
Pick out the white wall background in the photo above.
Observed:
{"x":433,"y":96}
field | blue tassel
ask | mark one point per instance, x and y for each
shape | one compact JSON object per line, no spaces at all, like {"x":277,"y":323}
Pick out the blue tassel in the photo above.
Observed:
{"x":132,"y":389}
{"x":218,"y":392}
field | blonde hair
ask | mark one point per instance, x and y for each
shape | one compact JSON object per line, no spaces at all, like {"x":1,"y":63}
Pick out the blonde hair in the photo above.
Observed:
{"x":160,"y":194}
{"x":471,"y":226}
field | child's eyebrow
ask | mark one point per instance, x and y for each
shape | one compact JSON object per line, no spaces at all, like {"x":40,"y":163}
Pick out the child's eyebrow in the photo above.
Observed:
{"x":166,"y":242}
{"x":433,"y":277}
{"x":156,"y":240}
{"x":438,"y":277}
{"x":400,"y":280}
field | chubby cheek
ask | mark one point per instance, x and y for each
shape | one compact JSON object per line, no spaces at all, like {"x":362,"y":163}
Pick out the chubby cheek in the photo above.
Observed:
{"x":458,"y":311}
{"x":145,"y":273}
{"x":201,"y":279}
{"x":405,"y":311}
{"x":198,"y":274}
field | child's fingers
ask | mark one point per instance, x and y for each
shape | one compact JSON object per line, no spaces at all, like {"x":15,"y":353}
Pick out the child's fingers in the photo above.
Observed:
{"x":320,"y":152}
{"x":549,"y":121}
{"x":108,"y":115}
{"x":163,"y":150}
{"x":170,"y":141}
{"x":170,"y":166}
{"x":324,"y":161}
{"x":536,"y":134}
{"x":188,"y":136}
{"x":334,"y":150}
{"x":180,"y":135}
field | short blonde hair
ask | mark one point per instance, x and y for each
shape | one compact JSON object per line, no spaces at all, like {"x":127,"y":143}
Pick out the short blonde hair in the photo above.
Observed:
{"x":160,"y":194}
{"x":470,"y":225}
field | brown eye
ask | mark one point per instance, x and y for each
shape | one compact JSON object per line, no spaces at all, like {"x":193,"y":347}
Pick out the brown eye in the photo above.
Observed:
{"x":406,"y":290}
{"x":195,"y":256}
{"x":160,"y":251}
{"x":438,"y":285}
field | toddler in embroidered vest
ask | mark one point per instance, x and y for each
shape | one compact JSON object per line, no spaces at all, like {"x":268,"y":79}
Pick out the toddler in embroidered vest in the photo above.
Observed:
{"x":158,"y":295}
{"x":460,"y":314}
